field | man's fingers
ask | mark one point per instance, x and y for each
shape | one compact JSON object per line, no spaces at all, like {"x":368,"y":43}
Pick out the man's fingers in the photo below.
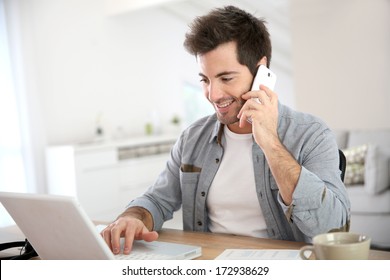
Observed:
{"x":129,"y":239}
{"x":263,"y":94}
{"x":106,"y":234}
{"x":150,"y":236}
{"x":137,"y":231}
{"x":116,"y":233}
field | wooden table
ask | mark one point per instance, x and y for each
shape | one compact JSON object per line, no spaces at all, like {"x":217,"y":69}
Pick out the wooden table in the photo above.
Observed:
{"x":214,"y":244}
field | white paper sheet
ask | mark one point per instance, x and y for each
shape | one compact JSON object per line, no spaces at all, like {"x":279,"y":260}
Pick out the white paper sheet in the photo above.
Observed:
{"x":248,"y":254}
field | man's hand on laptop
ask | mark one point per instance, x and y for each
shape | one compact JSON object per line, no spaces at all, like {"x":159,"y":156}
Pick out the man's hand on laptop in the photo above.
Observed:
{"x":133,"y":224}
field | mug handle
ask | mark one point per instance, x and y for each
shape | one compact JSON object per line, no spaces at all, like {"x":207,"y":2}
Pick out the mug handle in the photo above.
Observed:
{"x":304,"y":249}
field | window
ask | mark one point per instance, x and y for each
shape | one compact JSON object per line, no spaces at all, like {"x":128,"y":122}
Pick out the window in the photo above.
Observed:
{"x":195,"y":103}
{"x":12,"y":168}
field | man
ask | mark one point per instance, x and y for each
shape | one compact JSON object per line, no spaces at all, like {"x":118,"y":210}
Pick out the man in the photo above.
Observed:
{"x":276,"y":176}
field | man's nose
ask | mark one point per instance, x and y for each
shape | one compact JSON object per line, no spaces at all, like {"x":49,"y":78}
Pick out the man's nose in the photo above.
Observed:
{"x":214,"y":93}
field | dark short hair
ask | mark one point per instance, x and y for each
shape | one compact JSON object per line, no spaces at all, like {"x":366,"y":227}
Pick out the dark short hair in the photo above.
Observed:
{"x":230,"y":24}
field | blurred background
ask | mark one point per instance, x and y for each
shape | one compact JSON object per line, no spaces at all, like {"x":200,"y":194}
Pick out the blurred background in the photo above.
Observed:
{"x":74,"y":72}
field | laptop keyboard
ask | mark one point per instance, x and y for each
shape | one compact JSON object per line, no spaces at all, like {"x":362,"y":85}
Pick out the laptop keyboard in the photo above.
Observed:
{"x":142,"y":256}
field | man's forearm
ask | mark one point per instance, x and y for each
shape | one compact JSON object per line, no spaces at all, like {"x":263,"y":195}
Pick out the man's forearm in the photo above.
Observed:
{"x":285,"y":170}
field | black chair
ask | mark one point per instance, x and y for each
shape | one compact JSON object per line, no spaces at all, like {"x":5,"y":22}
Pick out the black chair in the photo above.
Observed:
{"x":342,"y":164}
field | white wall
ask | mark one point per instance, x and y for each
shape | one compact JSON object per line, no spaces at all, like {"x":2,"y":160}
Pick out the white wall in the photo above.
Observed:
{"x":341,"y":57}
{"x":88,"y":64}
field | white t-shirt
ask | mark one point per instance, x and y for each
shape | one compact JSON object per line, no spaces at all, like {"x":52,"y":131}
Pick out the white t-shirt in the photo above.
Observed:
{"x":232,"y":201}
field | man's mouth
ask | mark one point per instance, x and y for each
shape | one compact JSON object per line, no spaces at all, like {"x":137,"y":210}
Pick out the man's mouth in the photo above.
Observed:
{"x":224,"y":104}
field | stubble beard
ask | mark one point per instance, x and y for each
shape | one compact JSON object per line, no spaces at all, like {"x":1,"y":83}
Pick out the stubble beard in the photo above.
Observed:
{"x":231,"y":117}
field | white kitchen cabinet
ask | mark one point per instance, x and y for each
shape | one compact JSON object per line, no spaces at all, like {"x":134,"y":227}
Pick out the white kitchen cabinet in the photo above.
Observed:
{"x":106,"y":176}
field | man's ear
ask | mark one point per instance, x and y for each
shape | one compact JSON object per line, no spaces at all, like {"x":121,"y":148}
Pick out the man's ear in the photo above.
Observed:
{"x":263,"y":61}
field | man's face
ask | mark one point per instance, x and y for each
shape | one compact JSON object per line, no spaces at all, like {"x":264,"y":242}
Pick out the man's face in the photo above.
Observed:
{"x":224,"y":80}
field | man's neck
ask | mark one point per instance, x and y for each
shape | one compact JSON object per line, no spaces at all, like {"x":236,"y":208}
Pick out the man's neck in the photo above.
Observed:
{"x":234,"y":127}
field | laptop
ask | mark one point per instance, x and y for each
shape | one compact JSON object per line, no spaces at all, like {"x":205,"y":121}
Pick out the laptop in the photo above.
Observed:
{"x":59,"y":229}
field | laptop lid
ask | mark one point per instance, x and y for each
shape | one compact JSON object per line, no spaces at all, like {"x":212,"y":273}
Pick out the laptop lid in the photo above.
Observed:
{"x":59,"y":228}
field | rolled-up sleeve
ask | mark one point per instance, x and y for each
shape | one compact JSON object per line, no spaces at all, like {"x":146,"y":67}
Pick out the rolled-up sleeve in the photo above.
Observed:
{"x":318,"y":206}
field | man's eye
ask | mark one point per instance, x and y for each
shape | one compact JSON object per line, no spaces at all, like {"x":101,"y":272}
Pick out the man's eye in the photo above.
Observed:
{"x":203,"y":80}
{"x":227,"y":79}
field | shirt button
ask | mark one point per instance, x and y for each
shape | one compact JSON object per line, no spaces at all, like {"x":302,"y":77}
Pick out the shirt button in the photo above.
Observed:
{"x":202,"y":193}
{"x":217,"y":160}
{"x":200,"y":223}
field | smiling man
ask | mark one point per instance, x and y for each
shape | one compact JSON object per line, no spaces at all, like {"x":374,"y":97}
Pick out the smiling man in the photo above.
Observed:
{"x":275,"y":177}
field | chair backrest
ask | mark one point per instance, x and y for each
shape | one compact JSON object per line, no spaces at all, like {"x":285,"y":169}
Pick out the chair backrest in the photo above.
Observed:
{"x":342,"y":164}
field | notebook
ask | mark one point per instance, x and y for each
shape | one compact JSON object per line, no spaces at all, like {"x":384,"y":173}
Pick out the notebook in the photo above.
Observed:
{"x":58,"y":228}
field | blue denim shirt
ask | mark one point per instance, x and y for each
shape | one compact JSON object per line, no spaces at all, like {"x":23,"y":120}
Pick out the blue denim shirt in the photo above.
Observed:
{"x":320,"y":202}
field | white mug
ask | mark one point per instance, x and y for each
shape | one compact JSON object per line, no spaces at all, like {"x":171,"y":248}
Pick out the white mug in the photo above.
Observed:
{"x":338,"y":246}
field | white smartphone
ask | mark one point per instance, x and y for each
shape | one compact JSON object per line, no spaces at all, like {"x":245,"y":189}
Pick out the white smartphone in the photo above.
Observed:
{"x":264,"y":76}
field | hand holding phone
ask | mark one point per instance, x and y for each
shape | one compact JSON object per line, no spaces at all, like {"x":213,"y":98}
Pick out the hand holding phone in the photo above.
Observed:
{"x":265,"y":77}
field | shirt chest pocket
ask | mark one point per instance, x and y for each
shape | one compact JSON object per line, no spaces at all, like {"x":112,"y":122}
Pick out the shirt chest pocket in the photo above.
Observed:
{"x":189,"y":178}
{"x":188,"y":182}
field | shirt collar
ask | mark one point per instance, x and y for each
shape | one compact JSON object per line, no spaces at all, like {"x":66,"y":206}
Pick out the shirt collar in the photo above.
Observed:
{"x":216,"y":135}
